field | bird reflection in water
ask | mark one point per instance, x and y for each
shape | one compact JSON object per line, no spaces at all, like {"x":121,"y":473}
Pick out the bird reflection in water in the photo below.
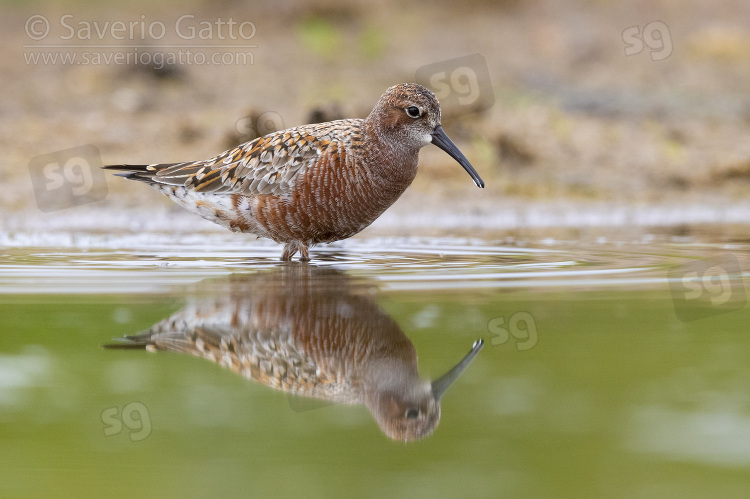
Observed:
{"x":313,"y":332}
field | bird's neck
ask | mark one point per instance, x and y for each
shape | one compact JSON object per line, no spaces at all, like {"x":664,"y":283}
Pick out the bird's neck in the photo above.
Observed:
{"x":396,"y":161}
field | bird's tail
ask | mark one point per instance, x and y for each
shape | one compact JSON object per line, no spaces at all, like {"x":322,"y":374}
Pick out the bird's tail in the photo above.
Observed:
{"x":134,"y":342}
{"x":144,"y":173}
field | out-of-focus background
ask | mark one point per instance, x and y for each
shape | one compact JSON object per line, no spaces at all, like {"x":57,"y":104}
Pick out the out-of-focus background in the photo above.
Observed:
{"x":594,"y":113}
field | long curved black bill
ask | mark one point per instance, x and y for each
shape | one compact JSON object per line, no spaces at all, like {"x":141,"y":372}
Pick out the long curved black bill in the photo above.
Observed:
{"x":440,"y":385}
{"x":441,"y":139}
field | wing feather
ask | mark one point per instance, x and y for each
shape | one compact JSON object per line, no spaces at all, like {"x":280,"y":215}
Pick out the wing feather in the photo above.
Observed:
{"x":266,"y":165}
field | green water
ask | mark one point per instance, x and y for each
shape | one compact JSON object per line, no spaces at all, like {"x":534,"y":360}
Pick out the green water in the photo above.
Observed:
{"x":597,"y":379}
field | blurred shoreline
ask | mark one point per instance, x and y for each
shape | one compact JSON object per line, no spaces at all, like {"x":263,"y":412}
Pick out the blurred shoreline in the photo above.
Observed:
{"x":531,"y":224}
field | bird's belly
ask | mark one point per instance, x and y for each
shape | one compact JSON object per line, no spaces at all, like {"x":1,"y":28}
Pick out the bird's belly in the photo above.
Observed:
{"x":295,"y":218}
{"x":326,"y":208}
{"x":313,"y":212}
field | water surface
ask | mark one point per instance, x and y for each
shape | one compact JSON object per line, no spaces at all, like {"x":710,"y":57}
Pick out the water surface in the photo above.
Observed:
{"x":609,"y":369}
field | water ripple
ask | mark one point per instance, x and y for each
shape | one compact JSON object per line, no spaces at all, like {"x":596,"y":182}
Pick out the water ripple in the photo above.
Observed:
{"x":157,"y":263}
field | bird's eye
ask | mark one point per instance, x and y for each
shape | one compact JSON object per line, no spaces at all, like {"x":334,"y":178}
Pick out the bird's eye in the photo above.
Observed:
{"x":413,"y":111}
{"x":412,"y":413}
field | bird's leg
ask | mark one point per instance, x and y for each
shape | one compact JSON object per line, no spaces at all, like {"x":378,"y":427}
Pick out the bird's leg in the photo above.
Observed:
{"x":304,"y":252}
{"x":290,"y":249}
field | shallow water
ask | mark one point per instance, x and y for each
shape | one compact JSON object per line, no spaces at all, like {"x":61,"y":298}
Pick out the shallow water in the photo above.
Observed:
{"x":608,"y":369}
